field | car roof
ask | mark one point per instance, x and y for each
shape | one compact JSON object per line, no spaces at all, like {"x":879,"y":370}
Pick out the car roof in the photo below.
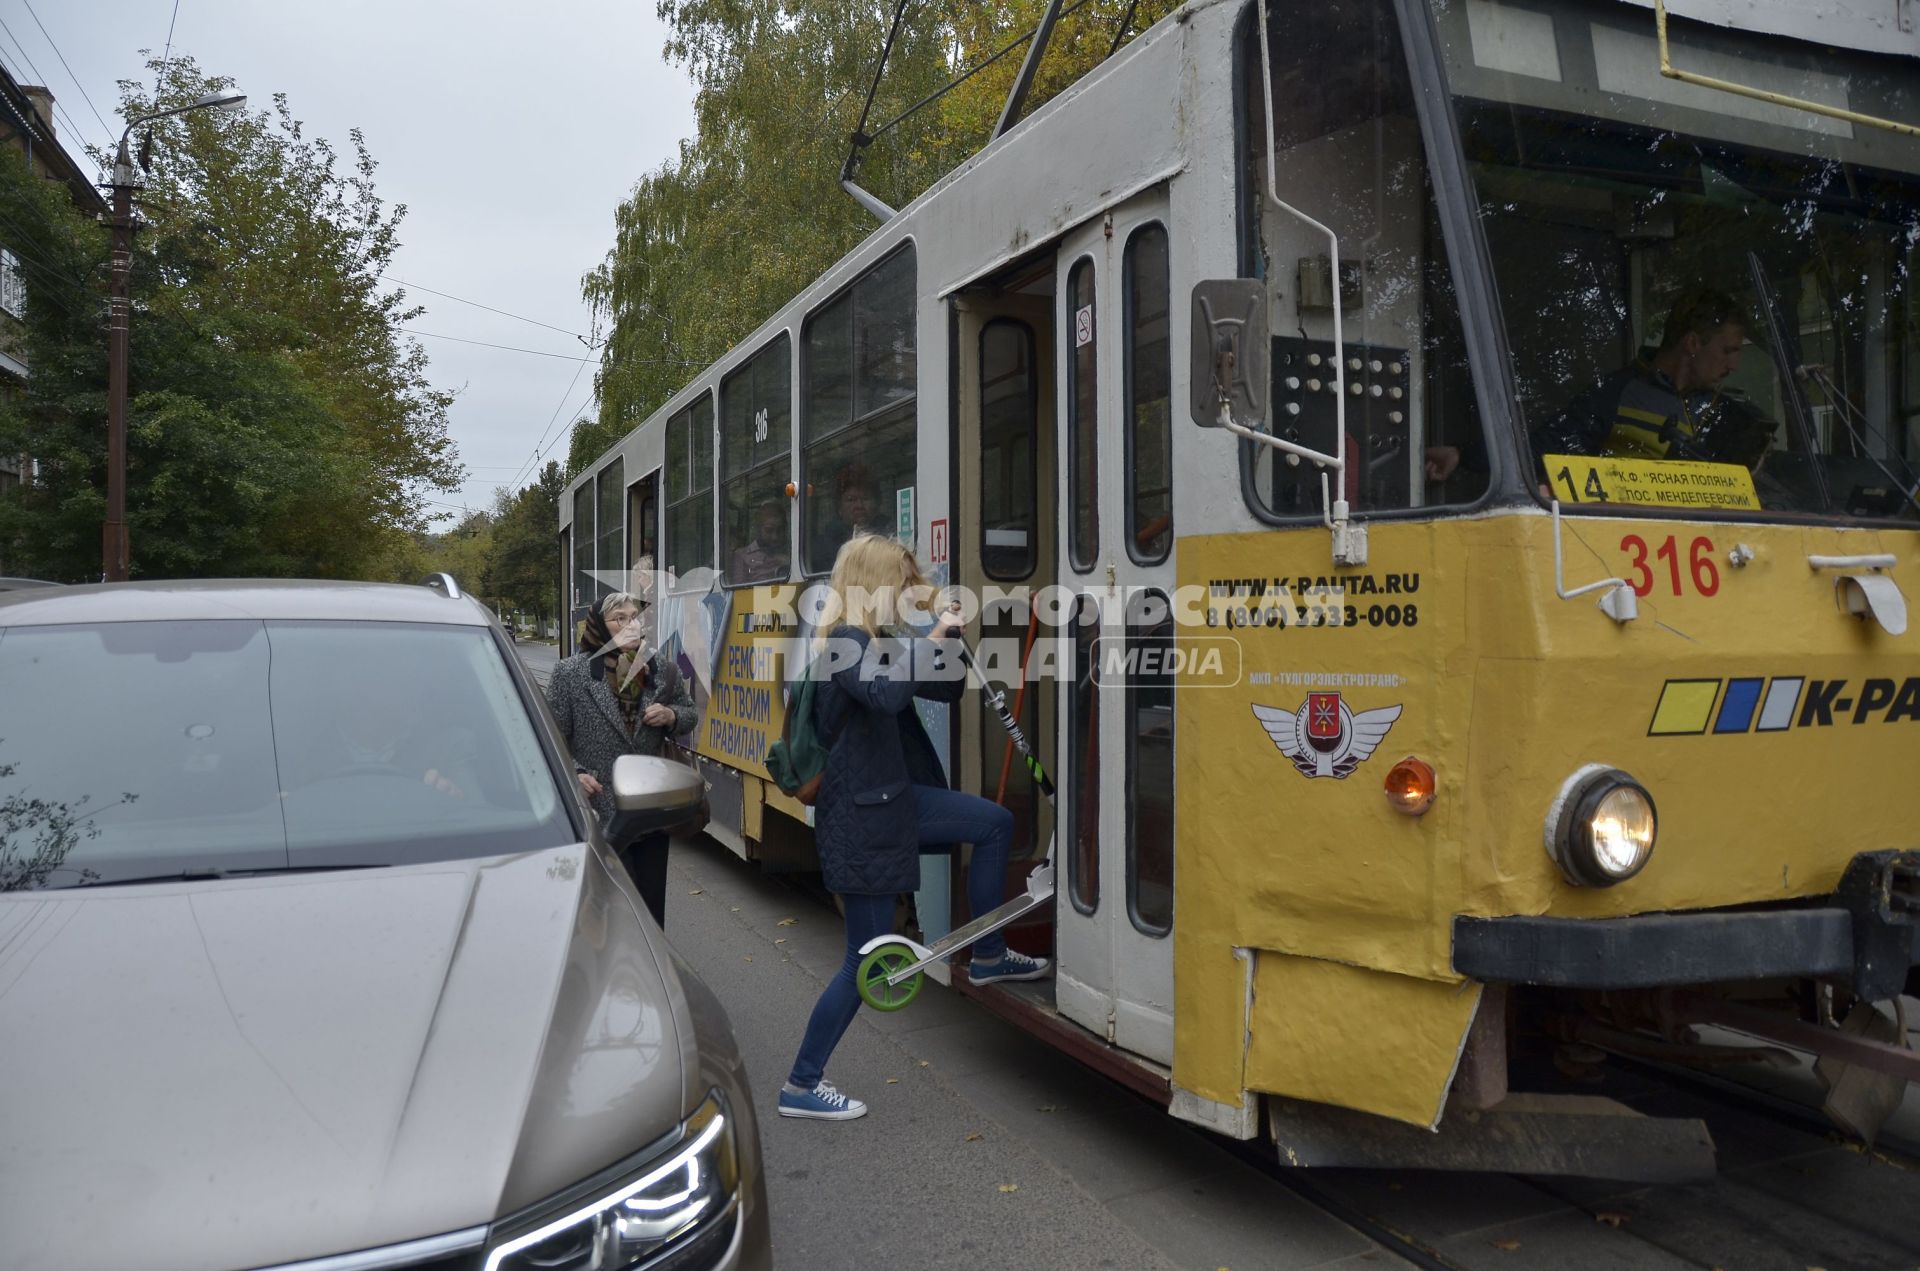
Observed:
{"x":254,"y":599}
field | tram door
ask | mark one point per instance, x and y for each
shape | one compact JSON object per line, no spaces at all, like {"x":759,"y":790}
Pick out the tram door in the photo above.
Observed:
{"x":1004,"y":539}
{"x":1115,"y":896}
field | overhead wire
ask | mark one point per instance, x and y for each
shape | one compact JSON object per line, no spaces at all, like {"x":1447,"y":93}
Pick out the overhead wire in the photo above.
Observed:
{"x":84,"y":96}
{"x":59,"y":111}
{"x":166,"y":56}
{"x":539,"y":446}
{"x":458,"y":339}
{"x":964,"y":76}
{"x":489,"y":308}
{"x":564,"y":357}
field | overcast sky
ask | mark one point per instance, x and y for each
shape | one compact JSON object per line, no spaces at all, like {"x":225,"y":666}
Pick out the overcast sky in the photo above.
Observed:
{"x":511,"y":131}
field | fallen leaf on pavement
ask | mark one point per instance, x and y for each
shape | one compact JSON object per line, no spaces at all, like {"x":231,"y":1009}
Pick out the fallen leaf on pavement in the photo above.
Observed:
{"x":1611,"y":1217}
{"x":1506,"y":1246}
{"x":698,"y":891}
{"x":893,"y":1081}
{"x":926,"y":1063}
{"x":971,"y":1138}
{"x":733,"y":909}
{"x":782,"y":940}
{"x":748,"y":958}
{"x":1048,"y":1107}
{"x":1009,"y":1187}
{"x":786,"y":922}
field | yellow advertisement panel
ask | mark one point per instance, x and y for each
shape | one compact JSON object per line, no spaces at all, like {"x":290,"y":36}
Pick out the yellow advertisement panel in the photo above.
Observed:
{"x":1659,"y":483}
{"x":745,"y":708}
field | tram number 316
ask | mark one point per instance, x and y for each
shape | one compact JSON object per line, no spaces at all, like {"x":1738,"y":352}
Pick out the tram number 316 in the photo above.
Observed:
{"x":1701,"y":570}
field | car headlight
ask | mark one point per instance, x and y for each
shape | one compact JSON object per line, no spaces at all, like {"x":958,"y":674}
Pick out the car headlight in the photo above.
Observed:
{"x":671,"y":1207}
{"x":1601,"y":829}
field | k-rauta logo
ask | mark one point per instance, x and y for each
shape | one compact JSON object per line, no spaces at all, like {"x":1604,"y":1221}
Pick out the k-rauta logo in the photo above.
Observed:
{"x":1325,"y":737}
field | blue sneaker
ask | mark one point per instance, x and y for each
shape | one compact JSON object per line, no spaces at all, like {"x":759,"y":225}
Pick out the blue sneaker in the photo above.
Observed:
{"x":822,"y":1103}
{"x":1012,"y":965}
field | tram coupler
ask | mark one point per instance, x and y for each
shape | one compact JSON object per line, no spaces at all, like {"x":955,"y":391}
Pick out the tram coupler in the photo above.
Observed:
{"x":1881,"y":892}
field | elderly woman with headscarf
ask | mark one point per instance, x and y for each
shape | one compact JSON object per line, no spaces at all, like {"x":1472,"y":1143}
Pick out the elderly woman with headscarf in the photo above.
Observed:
{"x":618,"y":696}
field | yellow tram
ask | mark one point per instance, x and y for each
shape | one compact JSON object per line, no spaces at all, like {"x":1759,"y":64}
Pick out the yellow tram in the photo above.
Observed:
{"x":1435,"y":646}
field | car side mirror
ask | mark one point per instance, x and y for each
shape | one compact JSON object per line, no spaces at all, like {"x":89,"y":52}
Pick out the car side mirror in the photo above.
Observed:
{"x":1229,"y":352}
{"x":651,"y":794}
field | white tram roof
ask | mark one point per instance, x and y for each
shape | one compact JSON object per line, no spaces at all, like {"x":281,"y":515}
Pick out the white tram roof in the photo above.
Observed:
{"x":1024,"y":191}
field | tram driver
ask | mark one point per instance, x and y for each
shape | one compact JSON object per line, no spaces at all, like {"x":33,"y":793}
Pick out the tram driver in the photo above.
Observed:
{"x":1670,"y":405}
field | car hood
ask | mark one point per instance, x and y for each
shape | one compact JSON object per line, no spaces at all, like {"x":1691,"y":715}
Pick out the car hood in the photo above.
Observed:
{"x":246,"y":1072}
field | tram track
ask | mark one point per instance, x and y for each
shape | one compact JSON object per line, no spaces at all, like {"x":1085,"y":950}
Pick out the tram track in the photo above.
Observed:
{"x":1755,"y":1211}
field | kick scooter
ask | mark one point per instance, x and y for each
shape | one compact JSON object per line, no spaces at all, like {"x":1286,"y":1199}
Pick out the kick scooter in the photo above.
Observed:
{"x":892,"y":967}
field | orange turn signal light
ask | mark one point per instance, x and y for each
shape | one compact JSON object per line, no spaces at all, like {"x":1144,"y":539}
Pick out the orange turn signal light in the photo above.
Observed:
{"x":792,"y":489}
{"x":1410,"y":786}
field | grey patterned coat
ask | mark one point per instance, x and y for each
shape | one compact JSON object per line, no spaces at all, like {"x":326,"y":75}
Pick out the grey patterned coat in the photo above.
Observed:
{"x":594,"y":727}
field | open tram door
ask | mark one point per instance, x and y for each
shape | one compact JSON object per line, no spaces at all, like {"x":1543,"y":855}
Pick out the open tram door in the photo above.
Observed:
{"x":1115,"y":758}
{"x":1003,"y":541}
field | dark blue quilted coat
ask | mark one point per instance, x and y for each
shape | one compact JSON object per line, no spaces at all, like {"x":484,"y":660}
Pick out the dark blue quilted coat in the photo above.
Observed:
{"x":863,"y":819}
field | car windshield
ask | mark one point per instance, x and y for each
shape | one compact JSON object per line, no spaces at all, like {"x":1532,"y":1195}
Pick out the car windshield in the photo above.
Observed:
{"x":1709,"y":297}
{"x":143,"y":749}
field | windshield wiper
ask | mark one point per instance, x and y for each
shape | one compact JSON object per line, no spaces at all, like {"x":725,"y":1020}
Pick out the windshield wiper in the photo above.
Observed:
{"x":203,"y":873}
{"x":1786,"y":357}
{"x":1846,"y":412}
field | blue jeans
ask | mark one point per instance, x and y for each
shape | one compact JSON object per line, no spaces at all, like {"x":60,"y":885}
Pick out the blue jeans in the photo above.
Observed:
{"x":946,"y":818}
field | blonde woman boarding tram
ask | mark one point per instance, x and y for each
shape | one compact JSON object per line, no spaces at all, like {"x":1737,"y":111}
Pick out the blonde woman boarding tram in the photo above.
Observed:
{"x":884,"y":796}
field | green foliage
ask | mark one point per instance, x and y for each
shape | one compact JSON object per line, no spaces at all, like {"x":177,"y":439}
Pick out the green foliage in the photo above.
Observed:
{"x":507,"y":556}
{"x":525,"y":546}
{"x":751,"y":211}
{"x":278,"y":421}
{"x":36,"y":835}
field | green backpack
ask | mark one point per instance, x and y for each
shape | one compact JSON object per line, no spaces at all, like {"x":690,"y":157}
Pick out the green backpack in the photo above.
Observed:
{"x":799,"y":759}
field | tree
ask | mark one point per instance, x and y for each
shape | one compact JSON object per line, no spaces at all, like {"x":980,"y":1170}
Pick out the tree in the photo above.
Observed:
{"x":279,"y":422}
{"x":750,"y":210}
{"x":525,"y":527}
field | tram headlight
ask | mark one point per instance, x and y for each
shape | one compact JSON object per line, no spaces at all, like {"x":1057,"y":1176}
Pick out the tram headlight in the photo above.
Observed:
{"x":1601,"y":829}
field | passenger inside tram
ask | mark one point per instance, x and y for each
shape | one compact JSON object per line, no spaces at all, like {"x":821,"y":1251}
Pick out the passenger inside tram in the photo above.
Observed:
{"x":857,"y":510}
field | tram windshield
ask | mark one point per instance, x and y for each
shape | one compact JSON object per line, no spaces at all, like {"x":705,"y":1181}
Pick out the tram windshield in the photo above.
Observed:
{"x":1709,"y":298}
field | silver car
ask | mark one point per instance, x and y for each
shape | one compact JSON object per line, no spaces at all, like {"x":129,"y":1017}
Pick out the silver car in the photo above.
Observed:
{"x":311,"y":954}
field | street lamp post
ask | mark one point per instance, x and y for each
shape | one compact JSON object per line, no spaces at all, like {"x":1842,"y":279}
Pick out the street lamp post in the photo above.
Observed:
{"x":114,"y":551}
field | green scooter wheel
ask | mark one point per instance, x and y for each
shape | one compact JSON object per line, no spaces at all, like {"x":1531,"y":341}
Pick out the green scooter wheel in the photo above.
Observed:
{"x":871,"y":979}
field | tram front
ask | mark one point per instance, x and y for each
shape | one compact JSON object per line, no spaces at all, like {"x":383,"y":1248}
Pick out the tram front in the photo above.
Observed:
{"x":1659,"y":333}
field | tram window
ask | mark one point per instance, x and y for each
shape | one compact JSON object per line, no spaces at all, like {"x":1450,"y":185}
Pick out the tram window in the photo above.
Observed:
{"x":857,"y":425}
{"x":1692,"y":278}
{"x":584,"y":591}
{"x":756,"y":462}
{"x":689,"y":477}
{"x":1083,"y":421}
{"x":1009,"y":515}
{"x":1149,"y":763}
{"x":1348,"y":152}
{"x":1083,"y":741}
{"x":1149,"y":431}
{"x":643,"y":513}
{"x":610,"y":492}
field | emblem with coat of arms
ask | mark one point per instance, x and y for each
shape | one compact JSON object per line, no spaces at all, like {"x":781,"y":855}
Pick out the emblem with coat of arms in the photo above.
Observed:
{"x":1326,"y":737}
